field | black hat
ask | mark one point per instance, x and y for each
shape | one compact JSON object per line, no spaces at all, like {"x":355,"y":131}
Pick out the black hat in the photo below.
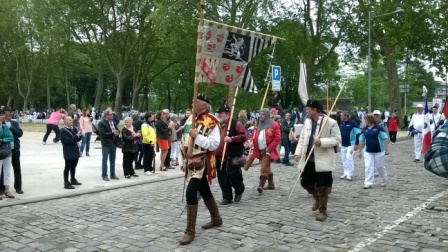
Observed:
{"x":223,"y":108}
{"x":7,"y":109}
{"x":315,"y":104}
{"x":203,"y":97}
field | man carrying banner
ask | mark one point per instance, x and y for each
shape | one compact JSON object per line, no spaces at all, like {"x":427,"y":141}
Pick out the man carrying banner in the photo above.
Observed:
{"x":437,"y":119}
{"x":316,"y":177}
{"x":416,"y":128}
{"x":265,"y":141}
{"x":229,"y":171}
{"x":200,"y":171}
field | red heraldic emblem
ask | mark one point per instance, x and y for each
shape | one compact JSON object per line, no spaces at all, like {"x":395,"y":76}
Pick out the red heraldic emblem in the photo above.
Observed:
{"x":205,"y":67}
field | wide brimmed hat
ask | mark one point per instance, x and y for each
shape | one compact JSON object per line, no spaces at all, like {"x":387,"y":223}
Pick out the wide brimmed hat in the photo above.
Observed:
{"x":315,"y":104}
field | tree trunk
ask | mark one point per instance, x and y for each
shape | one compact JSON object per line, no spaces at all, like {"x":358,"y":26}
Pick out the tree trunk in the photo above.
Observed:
{"x":135,"y":96}
{"x":99,"y":88}
{"x":119,"y":96}
{"x":392,"y":77}
{"x":169,"y":95}
{"x":66,"y":90}
{"x":9,"y":101}
{"x":48,"y":92}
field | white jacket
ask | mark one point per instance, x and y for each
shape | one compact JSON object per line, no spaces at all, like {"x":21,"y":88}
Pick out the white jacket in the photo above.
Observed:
{"x":324,"y":155}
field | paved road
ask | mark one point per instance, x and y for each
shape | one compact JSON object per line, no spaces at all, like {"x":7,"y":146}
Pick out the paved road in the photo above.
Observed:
{"x":409,"y":214}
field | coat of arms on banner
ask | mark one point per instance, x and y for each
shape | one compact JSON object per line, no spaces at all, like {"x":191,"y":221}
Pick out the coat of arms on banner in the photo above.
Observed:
{"x":226,"y":54}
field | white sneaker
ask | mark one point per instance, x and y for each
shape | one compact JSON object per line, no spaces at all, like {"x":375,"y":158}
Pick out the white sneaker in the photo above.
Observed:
{"x":375,"y":174}
{"x":148,"y":173}
{"x":156,"y":172}
{"x":383,"y":182}
{"x":367,"y":186}
{"x":44,"y":143}
{"x":343,"y":177}
{"x":349,"y":178}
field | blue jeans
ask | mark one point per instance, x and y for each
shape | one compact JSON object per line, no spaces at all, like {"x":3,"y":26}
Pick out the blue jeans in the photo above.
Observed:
{"x":286,"y":144}
{"x":109,"y":152}
{"x":85,"y":142}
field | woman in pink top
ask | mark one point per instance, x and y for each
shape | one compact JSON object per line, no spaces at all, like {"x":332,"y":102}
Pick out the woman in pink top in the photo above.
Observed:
{"x":85,"y":122}
{"x":53,"y":124}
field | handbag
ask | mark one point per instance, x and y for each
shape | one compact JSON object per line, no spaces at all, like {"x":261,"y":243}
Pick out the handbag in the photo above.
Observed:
{"x":195,"y":163}
{"x":238,"y":161}
{"x":291,"y":136}
{"x":4,"y":151}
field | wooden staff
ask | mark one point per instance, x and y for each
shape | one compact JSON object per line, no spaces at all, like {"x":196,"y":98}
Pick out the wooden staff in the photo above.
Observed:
{"x":228,"y":124}
{"x":318,"y":136}
{"x":326,"y":86}
{"x":196,"y":85}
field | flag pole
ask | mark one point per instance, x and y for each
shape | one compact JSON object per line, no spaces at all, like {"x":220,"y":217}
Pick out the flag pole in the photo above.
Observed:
{"x":318,"y":136}
{"x":196,"y":85}
{"x":228,"y":125}
{"x":326,"y":85}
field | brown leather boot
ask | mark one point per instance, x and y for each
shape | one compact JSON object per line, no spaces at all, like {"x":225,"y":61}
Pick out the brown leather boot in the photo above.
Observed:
{"x":271,"y":185}
{"x":216,"y":219}
{"x":323,"y":199}
{"x":261,"y":185}
{"x":190,"y":231}
{"x":313,"y":191}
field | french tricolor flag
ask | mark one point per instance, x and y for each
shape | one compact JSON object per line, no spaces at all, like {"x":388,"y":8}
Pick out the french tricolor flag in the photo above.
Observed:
{"x":427,"y":136}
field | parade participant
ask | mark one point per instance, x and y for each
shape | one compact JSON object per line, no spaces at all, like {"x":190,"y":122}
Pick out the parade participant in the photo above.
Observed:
{"x":265,"y":141}
{"x":287,"y":126}
{"x":416,"y":128}
{"x":376,"y":142}
{"x":317,"y":177}
{"x":229,"y":171}
{"x":437,"y":119}
{"x":436,"y":158}
{"x":200,"y":171}
{"x":70,"y":137}
{"x":349,"y":129}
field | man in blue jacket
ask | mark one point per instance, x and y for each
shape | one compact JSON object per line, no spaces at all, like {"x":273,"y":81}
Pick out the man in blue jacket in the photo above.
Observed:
{"x":15,"y":159}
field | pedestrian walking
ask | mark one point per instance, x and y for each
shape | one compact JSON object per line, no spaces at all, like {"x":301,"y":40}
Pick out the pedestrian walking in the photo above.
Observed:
{"x":53,"y":125}
{"x":317,"y":176}
{"x":200,"y":172}
{"x":393,"y":124}
{"x":375,"y":140}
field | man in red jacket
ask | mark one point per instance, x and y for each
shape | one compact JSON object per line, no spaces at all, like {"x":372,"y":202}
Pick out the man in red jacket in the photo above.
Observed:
{"x":265,"y":141}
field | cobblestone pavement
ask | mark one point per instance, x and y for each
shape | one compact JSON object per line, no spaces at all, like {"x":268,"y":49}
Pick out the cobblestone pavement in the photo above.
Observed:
{"x":408,"y":214}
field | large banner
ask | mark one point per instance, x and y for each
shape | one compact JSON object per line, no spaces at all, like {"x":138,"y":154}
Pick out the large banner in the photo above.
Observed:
{"x":226,"y":53}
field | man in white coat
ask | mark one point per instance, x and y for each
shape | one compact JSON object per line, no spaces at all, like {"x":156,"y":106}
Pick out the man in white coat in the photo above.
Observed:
{"x":323,"y":132}
{"x":437,"y":119}
{"x":416,"y":128}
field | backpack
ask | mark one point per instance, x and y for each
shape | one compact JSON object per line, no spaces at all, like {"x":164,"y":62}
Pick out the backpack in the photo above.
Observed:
{"x":383,"y":116}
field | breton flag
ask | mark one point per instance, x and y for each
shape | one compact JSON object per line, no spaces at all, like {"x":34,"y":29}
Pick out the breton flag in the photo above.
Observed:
{"x":303,"y":93}
{"x":427,"y":136}
{"x":226,"y":53}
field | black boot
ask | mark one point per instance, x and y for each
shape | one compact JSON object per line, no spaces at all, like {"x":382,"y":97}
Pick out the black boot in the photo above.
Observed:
{"x":262,"y":182}
{"x":67,"y":185}
{"x":190,"y":231}
{"x":75,"y":182}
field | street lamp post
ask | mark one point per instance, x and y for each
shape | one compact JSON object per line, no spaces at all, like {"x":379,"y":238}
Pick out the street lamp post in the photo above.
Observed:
{"x":369,"y":67}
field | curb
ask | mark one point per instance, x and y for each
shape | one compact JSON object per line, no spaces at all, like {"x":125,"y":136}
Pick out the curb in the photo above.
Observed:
{"x":86,"y":191}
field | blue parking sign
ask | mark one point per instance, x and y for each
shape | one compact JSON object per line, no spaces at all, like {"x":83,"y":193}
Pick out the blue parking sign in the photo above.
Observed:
{"x":276,"y":77}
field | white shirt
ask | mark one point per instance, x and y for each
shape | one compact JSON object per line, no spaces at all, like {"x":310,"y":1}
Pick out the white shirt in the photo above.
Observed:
{"x":262,"y":140}
{"x":418,"y":121}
